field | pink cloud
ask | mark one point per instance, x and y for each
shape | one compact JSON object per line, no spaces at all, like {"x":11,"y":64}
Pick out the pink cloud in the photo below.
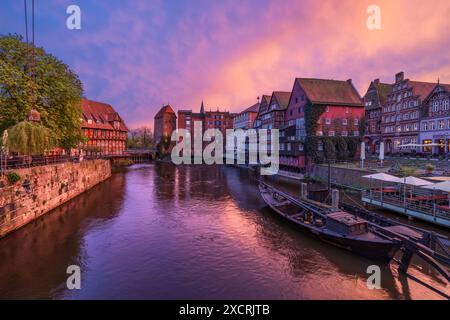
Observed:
{"x":228,"y":54}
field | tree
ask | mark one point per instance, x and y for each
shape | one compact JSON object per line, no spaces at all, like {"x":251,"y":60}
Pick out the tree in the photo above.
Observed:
{"x":140,"y":138}
{"x":58,"y":91}
{"x":29,"y":138}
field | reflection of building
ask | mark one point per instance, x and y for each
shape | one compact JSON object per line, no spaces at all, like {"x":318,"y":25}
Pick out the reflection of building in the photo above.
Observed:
{"x":340,"y":110}
{"x":165,"y":123}
{"x":104,"y":128}
{"x":435,"y":124}
{"x":374,"y":100}
{"x":400,"y":116}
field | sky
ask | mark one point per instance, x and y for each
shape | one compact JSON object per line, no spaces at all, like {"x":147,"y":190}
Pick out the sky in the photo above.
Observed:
{"x":141,"y":54}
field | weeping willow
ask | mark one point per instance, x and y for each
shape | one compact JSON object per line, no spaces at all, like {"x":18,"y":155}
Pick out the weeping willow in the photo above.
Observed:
{"x":28,"y":138}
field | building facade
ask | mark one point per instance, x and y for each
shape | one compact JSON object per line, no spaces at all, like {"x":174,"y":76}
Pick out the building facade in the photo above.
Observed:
{"x":104,"y":128}
{"x":400,"y":117}
{"x":263,"y":107}
{"x":165,"y":122}
{"x":221,"y":120}
{"x":374,"y":100}
{"x":435,"y":123}
{"x":246,"y":118}
{"x":340,"y":110}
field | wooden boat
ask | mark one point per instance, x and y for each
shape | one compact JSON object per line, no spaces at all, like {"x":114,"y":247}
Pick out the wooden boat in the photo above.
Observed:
{"x":338,"y":228}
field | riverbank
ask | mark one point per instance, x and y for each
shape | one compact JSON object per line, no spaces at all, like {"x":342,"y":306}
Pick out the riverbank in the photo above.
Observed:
{"x":33,"y":192}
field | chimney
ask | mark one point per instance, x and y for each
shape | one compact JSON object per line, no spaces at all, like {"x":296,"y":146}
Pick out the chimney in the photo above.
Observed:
{"x":399,"y":77}
{"x":349,"y":81}
{"x":377,"y":81}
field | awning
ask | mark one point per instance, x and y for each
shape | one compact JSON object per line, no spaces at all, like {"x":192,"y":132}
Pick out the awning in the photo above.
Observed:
{"x":383,"y":177}
{"x":413,"y":181}
{"x":443,"y":186}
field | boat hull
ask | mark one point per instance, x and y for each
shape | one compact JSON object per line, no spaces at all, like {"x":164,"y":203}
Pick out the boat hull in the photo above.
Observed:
{"x":379,"y":250}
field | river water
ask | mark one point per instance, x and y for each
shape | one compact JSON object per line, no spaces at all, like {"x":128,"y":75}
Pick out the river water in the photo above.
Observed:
{"x":198,"y":232}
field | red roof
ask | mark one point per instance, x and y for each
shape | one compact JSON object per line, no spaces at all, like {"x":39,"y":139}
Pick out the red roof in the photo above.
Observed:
{"x":253,"y":108}
{"x":282,"y":98}
{"x":334,"y":92}
{"x":422,"y":89}
{"x":165,"y":109}
{"x":98,"y":115}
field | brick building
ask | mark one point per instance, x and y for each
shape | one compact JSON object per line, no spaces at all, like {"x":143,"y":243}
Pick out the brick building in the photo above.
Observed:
{"x":374,"y":100}
{"x":341,"y":110}
{"x":435,"y":122}
{"x":400,"y":117}
{"x":245,"y":119}
{"x":165,"y":123}
{"x":104,"y":128}
{"x":217,"y":119}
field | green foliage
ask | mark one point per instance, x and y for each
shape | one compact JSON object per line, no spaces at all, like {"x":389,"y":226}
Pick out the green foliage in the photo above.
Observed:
{"x":329,"y":148}
{"x":429,"y":167}
{"x":406,"y":171}
{"x":13,"y":177}
{"x":362,"y":127}
{"x":141,"y":138}
{"x":58,"y":91}
{"x":29,"y":138}
{"x":341,"y":148}
{"x":352,"y":146}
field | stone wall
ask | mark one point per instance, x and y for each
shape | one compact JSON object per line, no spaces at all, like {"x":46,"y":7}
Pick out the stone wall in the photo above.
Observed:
{"x":44,"y":188}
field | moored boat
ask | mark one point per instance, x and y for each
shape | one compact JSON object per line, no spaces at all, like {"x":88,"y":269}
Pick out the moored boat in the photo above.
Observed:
{"x":338,"y":228}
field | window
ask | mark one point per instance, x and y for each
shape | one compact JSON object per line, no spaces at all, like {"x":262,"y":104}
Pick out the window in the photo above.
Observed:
{"x":331,"y":134}
{"x":344,"y":133}
{"x":300,"y":147}
{"x":432,"y":125}
{"x":427,"y":149}
{"x":355,"y":121}
{"x":346,"y":110}
{"x":288,"y":147}
{"x":425,"y":125}
{"x":328,"y":109}
{"x":344,"y":121}
{"x":441,"y":124}
{"x":446,"y":104}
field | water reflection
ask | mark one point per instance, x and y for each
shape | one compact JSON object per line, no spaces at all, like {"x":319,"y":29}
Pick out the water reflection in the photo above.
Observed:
{"x":35,"y":258}
{"x":196,"y":232}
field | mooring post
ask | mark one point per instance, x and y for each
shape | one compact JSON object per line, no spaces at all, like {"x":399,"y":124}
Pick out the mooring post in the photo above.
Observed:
{"x":335,"y":199}
{"x":303,"y":191}
{"x":405,"y":261}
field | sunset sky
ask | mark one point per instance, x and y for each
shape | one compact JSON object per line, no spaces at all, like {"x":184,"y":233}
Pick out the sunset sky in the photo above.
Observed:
{"x":141,"y":54}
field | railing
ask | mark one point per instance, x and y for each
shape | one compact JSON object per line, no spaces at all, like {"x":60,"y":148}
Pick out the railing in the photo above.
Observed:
{"x":417,"y":199}
{"x":19,"y":162}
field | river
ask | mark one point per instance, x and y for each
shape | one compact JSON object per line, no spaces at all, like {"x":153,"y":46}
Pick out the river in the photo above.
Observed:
{"x":158,"y":231}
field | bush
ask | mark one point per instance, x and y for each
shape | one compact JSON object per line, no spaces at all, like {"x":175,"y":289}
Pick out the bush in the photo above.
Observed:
{"x":13,"y":177}
{"x":430,"y":167}
{"x":406,"y":171}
